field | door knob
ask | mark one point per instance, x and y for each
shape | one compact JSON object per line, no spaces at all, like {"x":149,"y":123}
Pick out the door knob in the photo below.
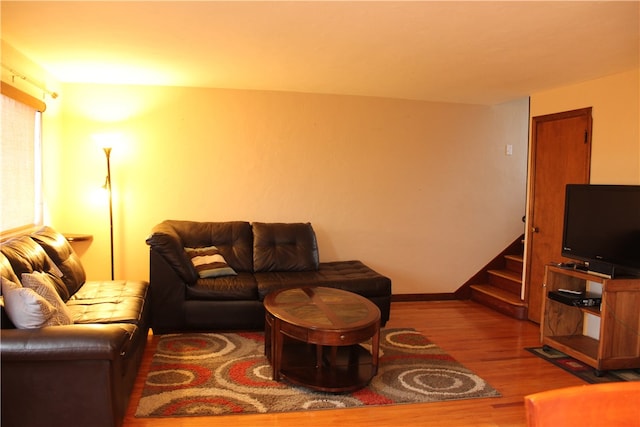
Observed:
{"x":535,"y":230}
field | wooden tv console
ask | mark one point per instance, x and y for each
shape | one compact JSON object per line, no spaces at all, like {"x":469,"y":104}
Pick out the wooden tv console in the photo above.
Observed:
{"x":563,"y":326}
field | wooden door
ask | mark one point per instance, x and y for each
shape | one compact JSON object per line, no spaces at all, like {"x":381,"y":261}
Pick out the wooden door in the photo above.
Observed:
{"x":561,"y":154}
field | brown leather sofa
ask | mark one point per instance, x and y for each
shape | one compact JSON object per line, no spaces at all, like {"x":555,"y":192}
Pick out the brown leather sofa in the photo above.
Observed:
{"x":264,"y":256}
{"x":78,"y":374}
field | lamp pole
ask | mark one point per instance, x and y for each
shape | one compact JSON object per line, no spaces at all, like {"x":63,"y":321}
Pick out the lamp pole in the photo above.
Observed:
{"x":107,"y":152}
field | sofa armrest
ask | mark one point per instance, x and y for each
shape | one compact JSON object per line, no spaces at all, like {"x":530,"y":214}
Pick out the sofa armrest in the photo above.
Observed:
{"x":69,"y":342}
{"x":167,"y":295}
{"x":165,"y":241}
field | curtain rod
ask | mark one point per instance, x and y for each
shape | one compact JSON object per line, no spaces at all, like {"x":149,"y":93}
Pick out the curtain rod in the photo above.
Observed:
{"x":24,"y":78}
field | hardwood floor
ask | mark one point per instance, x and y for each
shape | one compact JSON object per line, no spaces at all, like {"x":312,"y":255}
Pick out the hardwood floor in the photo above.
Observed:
{"x":487,"y":342}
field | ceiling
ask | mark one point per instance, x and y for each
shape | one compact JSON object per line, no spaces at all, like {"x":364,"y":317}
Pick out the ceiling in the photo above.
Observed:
{"x":452,"y":51}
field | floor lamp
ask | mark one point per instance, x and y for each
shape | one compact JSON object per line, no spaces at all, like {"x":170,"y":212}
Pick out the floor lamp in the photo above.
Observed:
{"x":107,"y":185}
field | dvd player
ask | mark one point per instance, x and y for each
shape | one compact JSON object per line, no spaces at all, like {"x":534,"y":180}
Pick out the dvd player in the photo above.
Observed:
{"x":577,"y":299}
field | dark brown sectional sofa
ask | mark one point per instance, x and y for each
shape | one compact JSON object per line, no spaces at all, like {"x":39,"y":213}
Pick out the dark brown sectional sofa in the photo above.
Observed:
{"x":263,"y":256}
{"x":60,"y":374}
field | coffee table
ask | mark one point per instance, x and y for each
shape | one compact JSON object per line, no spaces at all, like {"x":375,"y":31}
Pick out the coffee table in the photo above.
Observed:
{"x":312,"y":337}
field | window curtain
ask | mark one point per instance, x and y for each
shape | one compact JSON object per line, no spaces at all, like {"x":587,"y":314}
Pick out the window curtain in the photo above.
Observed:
{"x":20,"y":165}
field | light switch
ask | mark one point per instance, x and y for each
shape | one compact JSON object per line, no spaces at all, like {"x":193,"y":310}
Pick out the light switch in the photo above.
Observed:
{"x":508,"y":150}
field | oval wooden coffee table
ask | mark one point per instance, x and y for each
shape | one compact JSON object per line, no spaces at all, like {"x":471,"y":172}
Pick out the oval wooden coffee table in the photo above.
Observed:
{"x":312,"y":337}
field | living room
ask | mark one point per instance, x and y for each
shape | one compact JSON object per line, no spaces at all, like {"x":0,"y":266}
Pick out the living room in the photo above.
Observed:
{"x":421,"y":190}
{"x":408,"y":163}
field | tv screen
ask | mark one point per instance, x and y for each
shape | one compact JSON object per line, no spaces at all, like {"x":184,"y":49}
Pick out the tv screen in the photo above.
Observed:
{"x":602,"y":227}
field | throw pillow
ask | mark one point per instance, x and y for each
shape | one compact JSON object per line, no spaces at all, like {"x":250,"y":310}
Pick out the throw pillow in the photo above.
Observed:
{"x":25,"y":308}
{"x":208,"y":262}
{"x":43,"y":285}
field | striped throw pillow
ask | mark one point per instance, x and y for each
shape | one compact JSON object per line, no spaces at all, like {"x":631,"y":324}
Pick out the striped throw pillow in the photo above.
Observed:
{"x":208,"y":262}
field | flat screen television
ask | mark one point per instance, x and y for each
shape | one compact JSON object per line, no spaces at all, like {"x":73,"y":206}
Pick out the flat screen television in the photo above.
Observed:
{"x":602,"y":228}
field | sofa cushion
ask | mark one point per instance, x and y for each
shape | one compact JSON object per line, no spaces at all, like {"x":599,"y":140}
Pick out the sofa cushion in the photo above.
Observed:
{"x":114,"y":290}
{"x":353,"y":276}
{"x":284,"y":247}
{"x":228,"y":288}
{"x":24,"y":307}
{"x":120,"y":301}
{"x":208,"y":262}
{"x":26,"y":256}
{"x":43,"y":285}
{"x":60,"y":251}
{"x":6,"y":270}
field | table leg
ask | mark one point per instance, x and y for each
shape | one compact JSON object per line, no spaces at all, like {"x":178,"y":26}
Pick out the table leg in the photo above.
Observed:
{"x":276,"y":351}
{"x":268,"y":338}
{"x":375,"y":348}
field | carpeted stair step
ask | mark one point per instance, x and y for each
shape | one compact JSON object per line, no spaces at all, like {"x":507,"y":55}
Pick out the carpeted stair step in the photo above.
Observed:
{"x":505,"y":302}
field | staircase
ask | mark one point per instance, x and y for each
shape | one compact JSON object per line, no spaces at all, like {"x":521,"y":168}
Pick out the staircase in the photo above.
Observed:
{"x":499,"y":285}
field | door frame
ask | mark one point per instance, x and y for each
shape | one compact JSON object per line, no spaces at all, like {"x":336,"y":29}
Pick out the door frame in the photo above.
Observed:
{"x":526,"y":274}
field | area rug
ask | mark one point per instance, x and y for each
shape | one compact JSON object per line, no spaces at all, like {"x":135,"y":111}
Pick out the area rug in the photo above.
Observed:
{"x":201,"y":374}
{"x":582,"y":370}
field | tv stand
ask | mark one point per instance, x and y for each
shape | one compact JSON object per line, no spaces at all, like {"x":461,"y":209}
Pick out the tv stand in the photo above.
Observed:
{"x":572,"y":266}
{"x":562,"y":328}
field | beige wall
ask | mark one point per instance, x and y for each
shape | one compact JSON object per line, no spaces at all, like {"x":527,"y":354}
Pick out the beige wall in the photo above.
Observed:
{"x":422,"y":192}
{"x":615,"y":156}
{"x":615,"y":143}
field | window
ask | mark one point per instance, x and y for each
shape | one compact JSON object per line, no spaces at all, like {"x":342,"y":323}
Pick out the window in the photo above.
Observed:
{"x":20,"y":165}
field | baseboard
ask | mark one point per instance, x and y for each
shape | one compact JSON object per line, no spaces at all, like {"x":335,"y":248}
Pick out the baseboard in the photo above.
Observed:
{"x":422,"y":297}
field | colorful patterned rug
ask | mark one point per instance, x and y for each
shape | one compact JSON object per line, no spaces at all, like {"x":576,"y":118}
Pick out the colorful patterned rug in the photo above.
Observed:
{"x":201,"y":374}
{"x":582,"y":370}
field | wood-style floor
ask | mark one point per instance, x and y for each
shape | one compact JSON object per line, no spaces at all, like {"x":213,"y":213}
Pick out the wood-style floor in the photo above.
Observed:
{"x":489,"y":343}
